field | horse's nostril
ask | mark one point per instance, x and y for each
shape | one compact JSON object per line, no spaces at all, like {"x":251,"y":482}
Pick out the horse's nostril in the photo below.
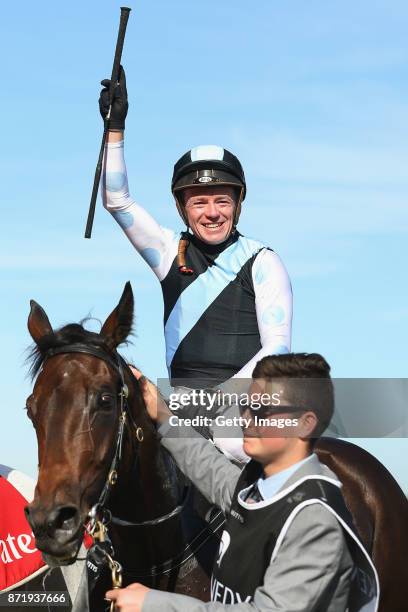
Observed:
{"x":63,"y":518}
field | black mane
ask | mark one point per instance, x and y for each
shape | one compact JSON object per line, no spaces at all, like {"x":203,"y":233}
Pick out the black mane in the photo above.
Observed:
{"x":68,"y":334}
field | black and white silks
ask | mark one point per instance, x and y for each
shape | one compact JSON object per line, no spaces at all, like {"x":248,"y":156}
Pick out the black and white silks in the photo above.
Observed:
{"x":235,"y":309}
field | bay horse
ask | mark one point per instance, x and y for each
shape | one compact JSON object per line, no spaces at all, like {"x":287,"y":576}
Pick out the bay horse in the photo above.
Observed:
{"x":90,"y":451}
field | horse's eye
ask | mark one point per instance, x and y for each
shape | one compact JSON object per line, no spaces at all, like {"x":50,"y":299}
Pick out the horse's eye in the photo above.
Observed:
{"x":28,"y":407}
{"x":105,"y":400}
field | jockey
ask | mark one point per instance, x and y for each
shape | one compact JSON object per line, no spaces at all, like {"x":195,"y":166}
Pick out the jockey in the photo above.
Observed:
{"x":227,"y":298}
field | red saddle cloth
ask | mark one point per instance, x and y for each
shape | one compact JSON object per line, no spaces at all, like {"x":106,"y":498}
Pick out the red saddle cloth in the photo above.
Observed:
{"x":19,"y":559}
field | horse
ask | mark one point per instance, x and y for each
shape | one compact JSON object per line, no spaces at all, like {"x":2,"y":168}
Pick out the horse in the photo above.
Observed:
{"x":100,"y":458}
{"x":380,"y":514}
{"x":98,"y":448}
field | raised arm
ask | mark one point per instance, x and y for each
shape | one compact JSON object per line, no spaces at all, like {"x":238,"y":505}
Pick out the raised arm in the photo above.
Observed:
{"x":156,"y":244}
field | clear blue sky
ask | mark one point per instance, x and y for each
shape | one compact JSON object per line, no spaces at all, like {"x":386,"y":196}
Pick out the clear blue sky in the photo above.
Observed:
{"x":312,"y":96}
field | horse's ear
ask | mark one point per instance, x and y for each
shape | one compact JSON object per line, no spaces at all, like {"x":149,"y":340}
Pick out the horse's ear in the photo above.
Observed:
{"x":118,"y":325}
{"x":38,"y":322}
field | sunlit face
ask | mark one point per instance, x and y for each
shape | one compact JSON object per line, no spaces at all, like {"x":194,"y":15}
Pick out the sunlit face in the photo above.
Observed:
{"x":266,"y":443}
{"x":210,"y":212}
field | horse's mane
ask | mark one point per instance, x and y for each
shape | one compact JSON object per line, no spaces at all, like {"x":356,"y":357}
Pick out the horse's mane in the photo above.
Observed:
{"x":72,"y":333}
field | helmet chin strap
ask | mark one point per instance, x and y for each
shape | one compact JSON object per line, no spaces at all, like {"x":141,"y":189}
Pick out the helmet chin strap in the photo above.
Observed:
{"x":181,"y":211}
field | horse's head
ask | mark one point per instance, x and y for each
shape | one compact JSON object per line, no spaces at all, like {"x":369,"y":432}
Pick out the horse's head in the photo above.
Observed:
{"x":75,"y":408}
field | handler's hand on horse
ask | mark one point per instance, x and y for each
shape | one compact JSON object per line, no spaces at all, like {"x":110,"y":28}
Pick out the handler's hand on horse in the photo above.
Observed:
{"x":155,"y":404}
{"x":130,"y":599}
{"x":119,"y":103}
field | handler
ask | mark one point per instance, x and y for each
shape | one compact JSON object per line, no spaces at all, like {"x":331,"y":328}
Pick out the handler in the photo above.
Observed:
{"x":227,"y":298}
{"x":289,"y":542}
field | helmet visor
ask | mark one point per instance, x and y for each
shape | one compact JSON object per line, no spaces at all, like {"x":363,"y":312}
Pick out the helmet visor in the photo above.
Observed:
{"x":207,"y":178}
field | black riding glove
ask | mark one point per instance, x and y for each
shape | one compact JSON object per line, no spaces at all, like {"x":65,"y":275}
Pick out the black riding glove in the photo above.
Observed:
{"x":119,"y":103}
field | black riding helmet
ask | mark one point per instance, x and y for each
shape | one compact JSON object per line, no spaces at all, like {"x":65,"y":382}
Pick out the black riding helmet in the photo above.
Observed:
{"x":204,"y":166}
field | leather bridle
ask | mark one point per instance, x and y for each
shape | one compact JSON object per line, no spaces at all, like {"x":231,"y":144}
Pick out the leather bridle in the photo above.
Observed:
{"x":99,"y":512}
{"x":99,"y":515}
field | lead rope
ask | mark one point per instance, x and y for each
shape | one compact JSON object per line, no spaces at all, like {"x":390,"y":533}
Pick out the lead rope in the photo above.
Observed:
{"x":101,"y":535}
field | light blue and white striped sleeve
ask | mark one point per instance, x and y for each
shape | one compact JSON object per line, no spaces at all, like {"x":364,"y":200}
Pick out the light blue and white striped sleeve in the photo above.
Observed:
{"x":156,"y":244}
{"x":273,"y":302}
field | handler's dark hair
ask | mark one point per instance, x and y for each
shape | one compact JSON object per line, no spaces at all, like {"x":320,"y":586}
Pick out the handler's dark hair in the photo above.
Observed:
{"x":316,"y":395}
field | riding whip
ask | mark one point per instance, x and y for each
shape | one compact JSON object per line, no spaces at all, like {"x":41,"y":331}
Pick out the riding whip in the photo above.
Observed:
{"x":124,"y":16}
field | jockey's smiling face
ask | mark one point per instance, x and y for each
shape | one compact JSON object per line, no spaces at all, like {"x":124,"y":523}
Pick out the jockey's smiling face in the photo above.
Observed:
{"x":210,"y":212}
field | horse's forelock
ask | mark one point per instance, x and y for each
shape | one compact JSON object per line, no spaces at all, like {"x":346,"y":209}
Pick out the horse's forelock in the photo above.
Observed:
{"x":68,"y":334}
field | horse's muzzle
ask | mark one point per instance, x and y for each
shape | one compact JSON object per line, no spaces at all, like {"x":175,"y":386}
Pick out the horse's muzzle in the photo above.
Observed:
{"x":58,"y":532}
